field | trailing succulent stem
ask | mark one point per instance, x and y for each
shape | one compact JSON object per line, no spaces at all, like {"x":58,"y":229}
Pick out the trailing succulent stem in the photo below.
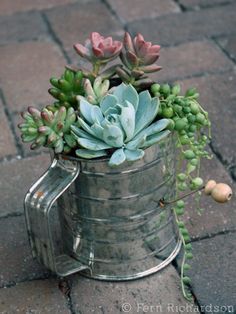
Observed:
{"x":187,"y":119}
{"x":49,"y":129}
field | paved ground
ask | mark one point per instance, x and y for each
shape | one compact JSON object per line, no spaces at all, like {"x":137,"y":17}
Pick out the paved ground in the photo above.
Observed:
{"x":198,"y":39}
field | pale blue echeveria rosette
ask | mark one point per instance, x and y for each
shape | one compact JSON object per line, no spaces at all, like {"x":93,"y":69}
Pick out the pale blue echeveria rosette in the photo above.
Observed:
{"x":121,"y":123}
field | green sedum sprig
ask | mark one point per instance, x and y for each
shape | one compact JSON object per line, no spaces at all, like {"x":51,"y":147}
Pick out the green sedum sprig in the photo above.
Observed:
{"x":66,"y":88}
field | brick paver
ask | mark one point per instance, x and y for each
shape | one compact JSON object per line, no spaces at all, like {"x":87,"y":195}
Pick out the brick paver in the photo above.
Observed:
{"x":217,"y":94}
{"x":189,"y":26}
{"x":191,"y":59}
{"x":10,"y":7}
{"x":213,"y":269}
{"x":32,"y":64}
{"x":16,"y":260}
{"x":7,"y":143}
{"x":22,"y":27}
{"x":161,"y":291}
{"x":228,"y":43}
{"x":128,"y":12}
{"x":74,"y":23}
{"x":38,"y":297}
{"x":16,"y":178}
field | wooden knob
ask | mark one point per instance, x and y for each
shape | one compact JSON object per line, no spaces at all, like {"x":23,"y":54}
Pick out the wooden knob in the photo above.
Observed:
{"x":221,"y":192}
{"x":209,"y":187}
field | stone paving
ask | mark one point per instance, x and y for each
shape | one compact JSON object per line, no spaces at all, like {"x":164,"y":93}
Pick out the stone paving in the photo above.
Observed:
{"x":198,"y":39}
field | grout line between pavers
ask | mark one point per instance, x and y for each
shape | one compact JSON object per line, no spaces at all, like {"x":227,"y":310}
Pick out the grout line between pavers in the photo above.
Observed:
{"x":11,"y":124}
{"x":54,"y":37}
{"x":212,"y":235}
{"x":12,"y":215}
{"x":114,"y":14}
{"x":65,"y":287}
{"x":180,"y":5}
{"x":227,"y":165}
{"x":225,"y":52}
{"x":11,"y":284}
{"x":207,"y":6}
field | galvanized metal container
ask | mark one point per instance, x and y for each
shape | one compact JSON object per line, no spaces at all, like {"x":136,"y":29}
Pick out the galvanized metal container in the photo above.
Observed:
{"x":108,"y":222}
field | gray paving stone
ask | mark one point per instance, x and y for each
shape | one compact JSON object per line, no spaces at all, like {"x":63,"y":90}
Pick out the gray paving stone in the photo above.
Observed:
{"x":25,"y":72}
{"x":10,"y":7}
{"x":158,"y":293}
{"x":20,"y":27}
{"x":16,"y":262}
{"x":189,"y":59}
{"x":176,"y":28}
{"x":38,"y":297}
{"x":229,"y":45}
{"x":213,"y":273}
{"x":130,"y":11}
{"x":17,"y":176}
{"x":7,"y":143}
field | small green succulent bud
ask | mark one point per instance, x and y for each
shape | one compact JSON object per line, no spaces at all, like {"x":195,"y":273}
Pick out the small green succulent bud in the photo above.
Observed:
{"x":95,"y":93}
{"x":186,"y":266}
{"x":175,"y":90}
{"x":186,"y":280}
{"x":66,"y":88}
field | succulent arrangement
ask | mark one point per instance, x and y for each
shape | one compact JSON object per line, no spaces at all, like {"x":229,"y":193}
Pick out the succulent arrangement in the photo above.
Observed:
{"x":117,"y":111}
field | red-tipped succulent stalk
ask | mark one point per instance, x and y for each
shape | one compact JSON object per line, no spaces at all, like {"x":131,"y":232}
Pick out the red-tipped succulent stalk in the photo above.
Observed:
{"x":49,"y":129}
{"x":99,"y":50}
{"x":139,"y":57}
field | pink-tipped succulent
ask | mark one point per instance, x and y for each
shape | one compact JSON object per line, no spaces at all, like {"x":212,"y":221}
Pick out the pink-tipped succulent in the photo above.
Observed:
{"x":98,"y":49}
{"x":139,"y":57}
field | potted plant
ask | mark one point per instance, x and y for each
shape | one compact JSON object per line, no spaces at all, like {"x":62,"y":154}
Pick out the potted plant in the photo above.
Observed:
{"x":115,"y":136}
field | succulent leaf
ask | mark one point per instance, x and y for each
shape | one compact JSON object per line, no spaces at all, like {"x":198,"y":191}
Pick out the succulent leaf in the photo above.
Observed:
{"x":93,"y":144}
{"x":113,"y":136}
{"x":107,"y":102}
{"x":133,"y":155}
{"x":117,"y":158}
{"x":146,"y":112}
{"x":153,"y":139}
{"x":89,"y":154}
{"x":127,"y":119}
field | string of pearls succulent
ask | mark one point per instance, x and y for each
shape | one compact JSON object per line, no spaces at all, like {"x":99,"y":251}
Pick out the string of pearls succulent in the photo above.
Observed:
{"x":188,"y":119}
